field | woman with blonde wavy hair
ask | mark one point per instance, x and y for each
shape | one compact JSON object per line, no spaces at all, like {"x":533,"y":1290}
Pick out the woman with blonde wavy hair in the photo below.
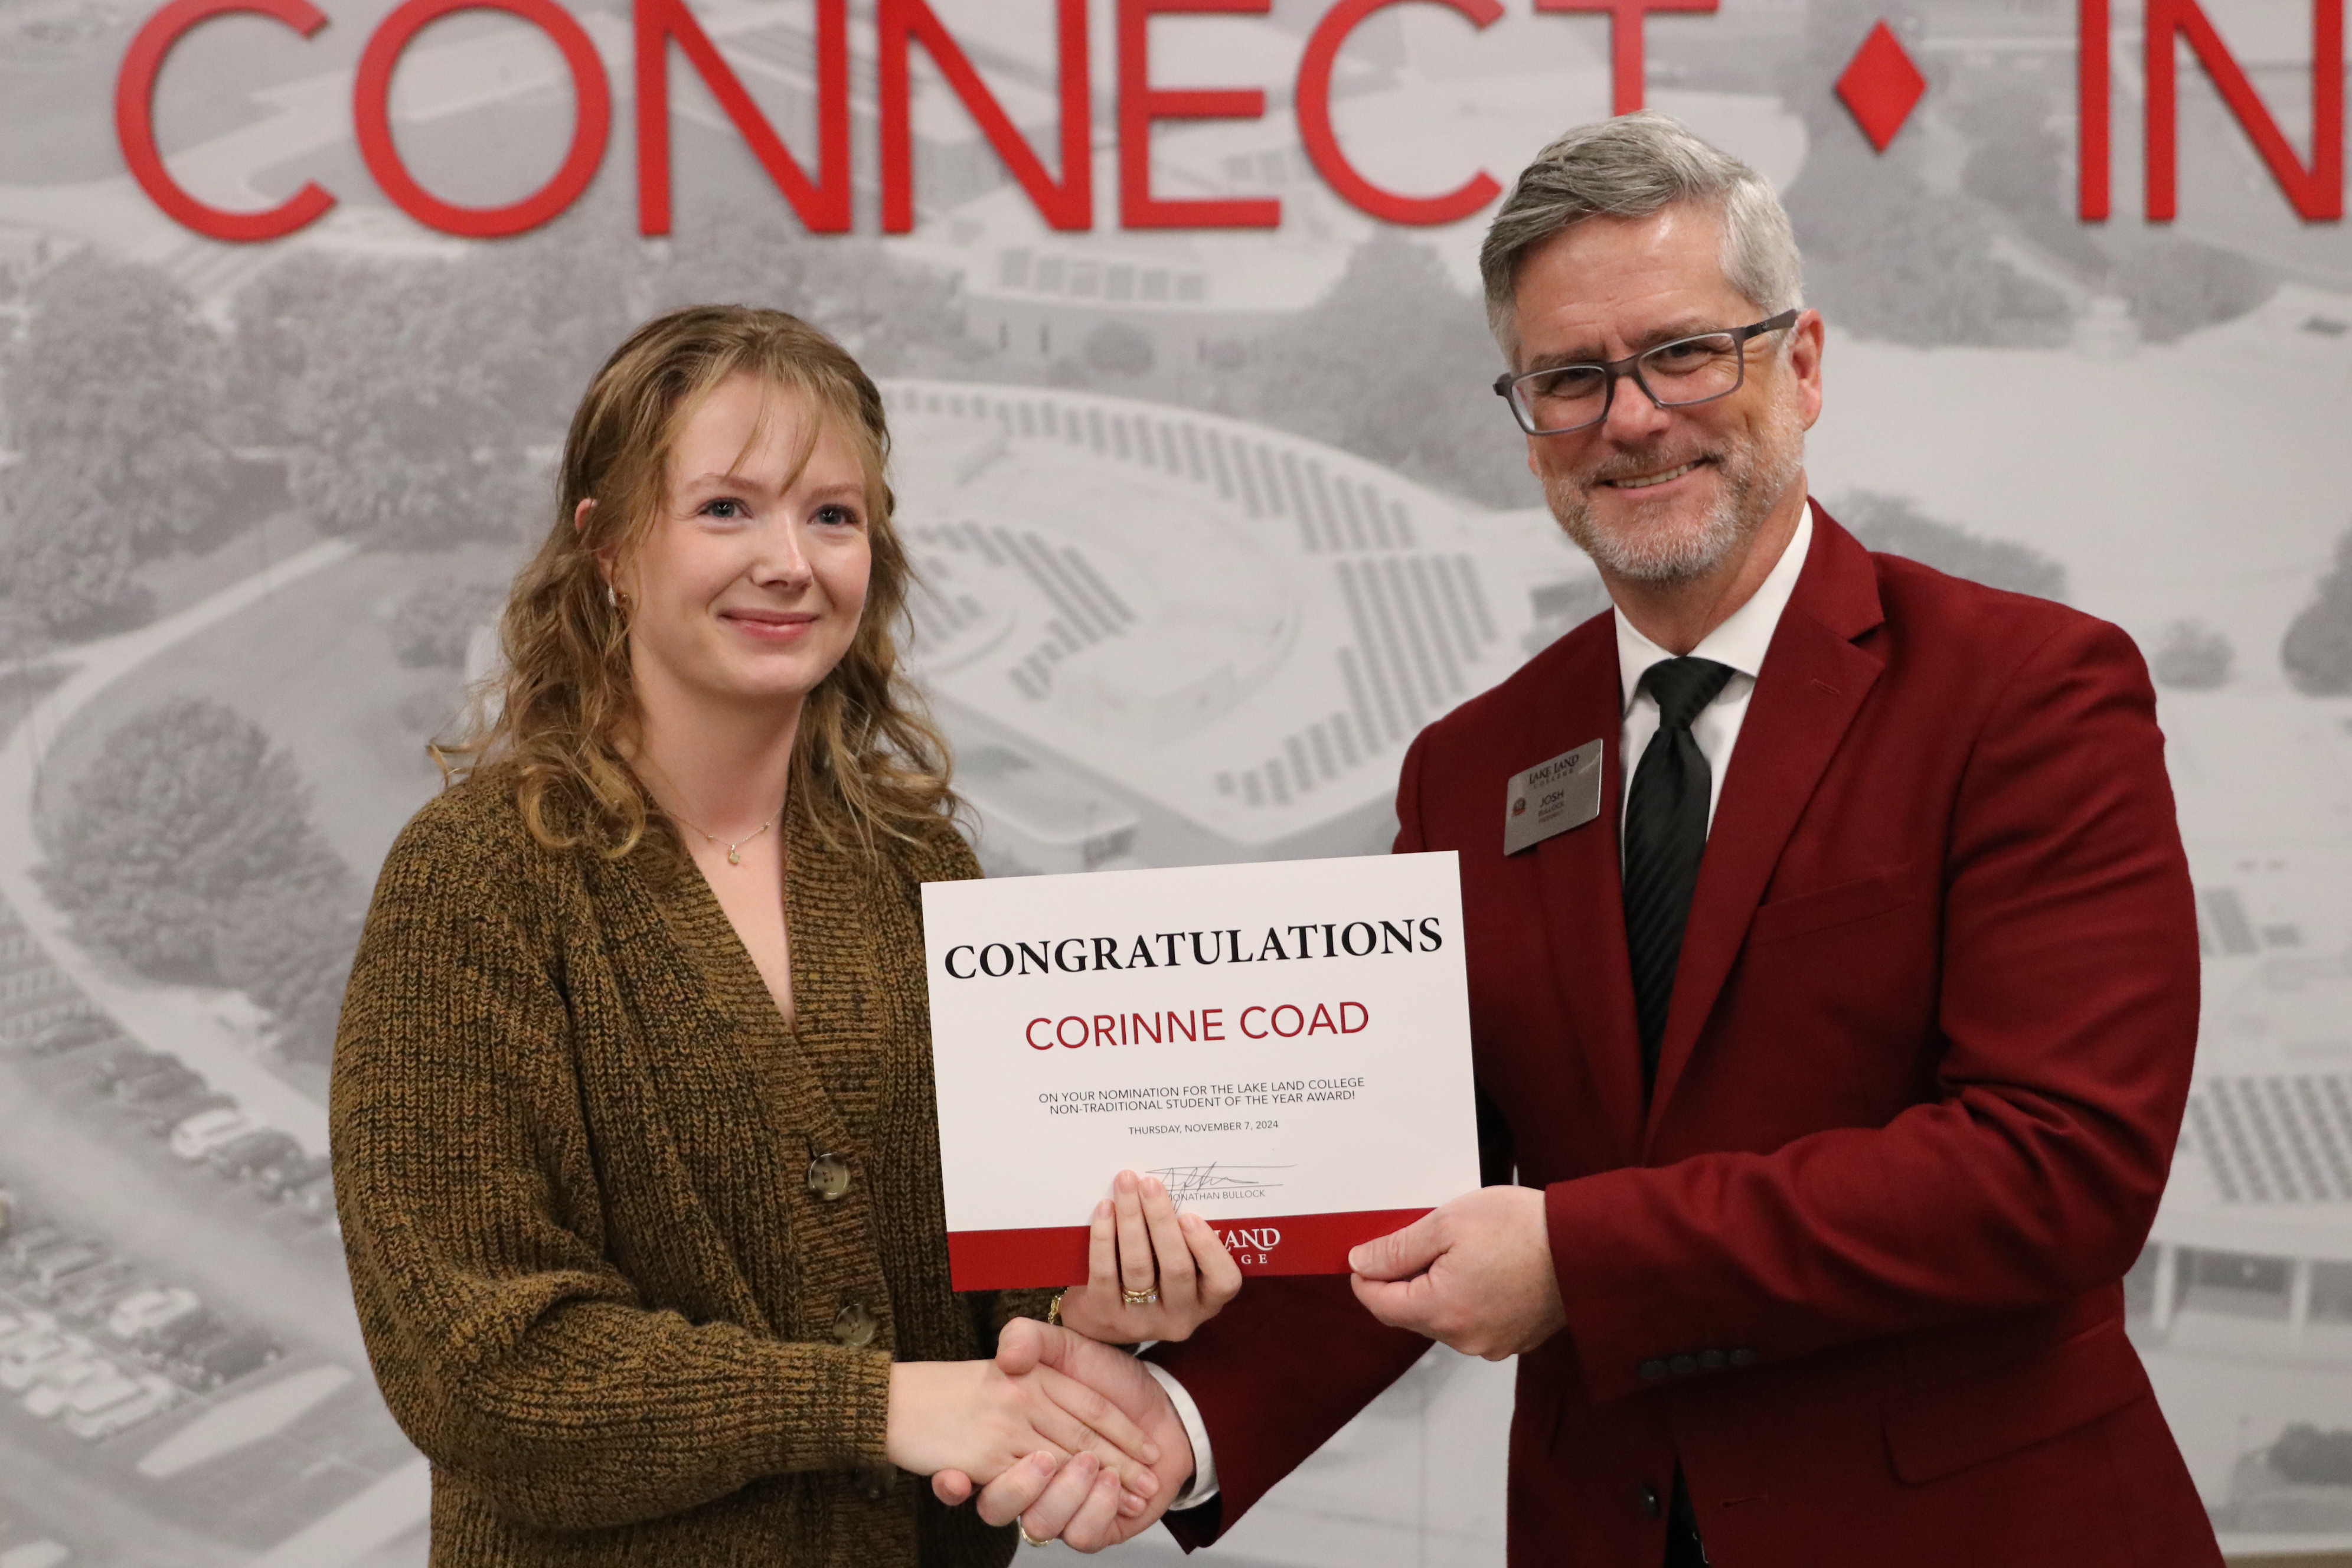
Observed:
{"x":634,"y":1131}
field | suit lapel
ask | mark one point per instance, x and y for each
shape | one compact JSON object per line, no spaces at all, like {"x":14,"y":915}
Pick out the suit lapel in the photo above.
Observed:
{"x":1579,"y":877}
{"x":1814,"y":683}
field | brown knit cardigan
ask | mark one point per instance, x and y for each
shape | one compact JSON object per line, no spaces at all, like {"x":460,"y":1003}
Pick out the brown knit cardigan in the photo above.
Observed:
{"x":572,"y":1148}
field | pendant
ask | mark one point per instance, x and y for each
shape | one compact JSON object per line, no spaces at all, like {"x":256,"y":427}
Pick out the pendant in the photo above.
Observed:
{"x":734,"y":856}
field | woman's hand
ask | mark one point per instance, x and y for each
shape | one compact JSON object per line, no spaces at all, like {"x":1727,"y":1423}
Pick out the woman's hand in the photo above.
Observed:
{"x":1083,"y":1507}
{"x":972,"y":1417}
{"x":1141,"y":1244}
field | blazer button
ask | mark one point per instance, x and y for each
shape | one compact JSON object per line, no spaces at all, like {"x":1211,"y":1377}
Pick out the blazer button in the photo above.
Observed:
{"x":1712,"y":1361}
{"x":1683,"y":1365}
{"x":1743,"y":1356}
{"x":1646,"y":1499}
{"x":828,"y":1177}
{"x":854,"y":1325}
{"x":1651,"y":1371}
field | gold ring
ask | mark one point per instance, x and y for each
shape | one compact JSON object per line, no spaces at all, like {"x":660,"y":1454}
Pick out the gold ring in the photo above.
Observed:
{"x":1027,"y":1539}
{"x":1140,"y":1298}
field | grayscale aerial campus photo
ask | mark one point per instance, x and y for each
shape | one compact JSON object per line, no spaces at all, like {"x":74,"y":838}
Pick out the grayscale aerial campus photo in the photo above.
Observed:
{"x":1209,"y":523}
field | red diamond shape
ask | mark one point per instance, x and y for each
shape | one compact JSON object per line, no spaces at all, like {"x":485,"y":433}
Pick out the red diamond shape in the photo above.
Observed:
{"x":1880,"y":86}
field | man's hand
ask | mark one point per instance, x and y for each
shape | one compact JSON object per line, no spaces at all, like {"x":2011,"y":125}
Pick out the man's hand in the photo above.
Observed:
{"x":1475,"y":1274}
{"x":1079,"y":1502}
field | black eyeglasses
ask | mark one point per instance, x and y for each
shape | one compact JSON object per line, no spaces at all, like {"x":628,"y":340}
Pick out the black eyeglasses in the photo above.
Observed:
{"x":1565,"y":398}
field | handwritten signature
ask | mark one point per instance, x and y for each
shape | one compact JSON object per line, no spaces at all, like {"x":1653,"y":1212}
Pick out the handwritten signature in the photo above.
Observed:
{"x":1192,"y":1180}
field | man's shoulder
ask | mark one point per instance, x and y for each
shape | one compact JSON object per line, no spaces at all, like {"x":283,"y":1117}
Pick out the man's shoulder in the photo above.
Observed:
{"x":1914,"y":591}
{"x":1855,"y":591}
{"x":1936,"y":616}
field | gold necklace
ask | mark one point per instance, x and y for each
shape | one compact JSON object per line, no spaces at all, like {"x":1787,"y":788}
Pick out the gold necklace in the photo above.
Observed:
{"x":734,"y":850}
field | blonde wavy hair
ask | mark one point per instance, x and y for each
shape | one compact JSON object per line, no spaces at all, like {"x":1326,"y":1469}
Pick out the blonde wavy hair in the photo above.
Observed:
{"x":868,"y":762}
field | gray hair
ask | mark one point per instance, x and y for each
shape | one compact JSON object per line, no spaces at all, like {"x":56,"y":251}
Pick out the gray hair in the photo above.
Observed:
{"x":1632,"y":166}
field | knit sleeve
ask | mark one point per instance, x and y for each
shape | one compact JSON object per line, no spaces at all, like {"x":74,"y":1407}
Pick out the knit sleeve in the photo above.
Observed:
{"x":942,"y":854}
{"x":513,"y":1352}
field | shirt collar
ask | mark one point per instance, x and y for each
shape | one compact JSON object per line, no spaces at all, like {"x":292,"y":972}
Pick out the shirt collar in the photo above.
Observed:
{"x":1744,"y":638}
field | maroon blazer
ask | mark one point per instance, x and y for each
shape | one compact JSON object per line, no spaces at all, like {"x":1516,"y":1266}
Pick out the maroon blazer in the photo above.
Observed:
{"x":1854,"y":1267}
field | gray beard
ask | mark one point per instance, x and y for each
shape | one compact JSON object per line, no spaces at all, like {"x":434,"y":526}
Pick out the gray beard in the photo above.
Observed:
{"x":1756,"y":473}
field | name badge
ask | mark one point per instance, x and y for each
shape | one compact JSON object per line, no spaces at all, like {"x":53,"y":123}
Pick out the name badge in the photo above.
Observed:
{"x":1552,"y":797}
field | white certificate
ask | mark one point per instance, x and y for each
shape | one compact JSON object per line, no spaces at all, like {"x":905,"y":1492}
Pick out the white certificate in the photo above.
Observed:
{"x":1285,"y":1044}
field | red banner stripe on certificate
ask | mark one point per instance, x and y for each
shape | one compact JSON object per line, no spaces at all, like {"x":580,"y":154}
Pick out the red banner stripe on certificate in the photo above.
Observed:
{"x":1057,"y":1254}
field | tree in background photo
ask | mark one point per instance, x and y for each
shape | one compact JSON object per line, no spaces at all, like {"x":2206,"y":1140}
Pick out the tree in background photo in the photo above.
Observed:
{"x":1394,"y":364}
{"x":68,"y":564}
{"x":114,"y":393}
{"x":416,"y":401}
{"x":2191,"y":657}
{"x":1118,"y":349}
{"x":434,"y":624}
{"x":2317,"y":653}
{"x":187,"y":849}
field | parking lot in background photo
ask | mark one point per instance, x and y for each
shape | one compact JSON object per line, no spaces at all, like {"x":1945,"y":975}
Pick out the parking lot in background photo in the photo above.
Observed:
{"x":138,"y":1354}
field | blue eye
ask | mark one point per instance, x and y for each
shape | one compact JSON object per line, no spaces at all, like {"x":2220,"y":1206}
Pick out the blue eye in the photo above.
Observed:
{"x":836,"y":516}
{"x":730,"y":510}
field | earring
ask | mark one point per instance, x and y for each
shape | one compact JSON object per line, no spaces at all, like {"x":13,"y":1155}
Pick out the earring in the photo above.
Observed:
{"x":612,"y":596}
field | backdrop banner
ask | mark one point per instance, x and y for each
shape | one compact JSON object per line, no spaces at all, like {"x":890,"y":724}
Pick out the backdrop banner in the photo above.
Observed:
{"x":1174,"y":305}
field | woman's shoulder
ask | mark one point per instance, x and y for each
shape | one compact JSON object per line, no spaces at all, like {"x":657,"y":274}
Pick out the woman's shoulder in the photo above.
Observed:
{"x":936,"y":851}
{"x":475,"y":824}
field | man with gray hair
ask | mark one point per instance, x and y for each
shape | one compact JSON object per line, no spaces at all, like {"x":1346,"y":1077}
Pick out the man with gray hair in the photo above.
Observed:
{"x":1833,"y":992}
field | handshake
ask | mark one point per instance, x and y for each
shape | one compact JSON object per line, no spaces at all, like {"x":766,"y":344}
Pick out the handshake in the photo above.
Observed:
{"x":1062,"y":1430}
{"x":1106,"y":1451}
{"x":1077,"y":1439}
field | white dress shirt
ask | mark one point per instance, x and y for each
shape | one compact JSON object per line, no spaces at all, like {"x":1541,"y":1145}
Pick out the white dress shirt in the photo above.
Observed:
{"x":1204,"y":1465}
{"x":1741,"y":642}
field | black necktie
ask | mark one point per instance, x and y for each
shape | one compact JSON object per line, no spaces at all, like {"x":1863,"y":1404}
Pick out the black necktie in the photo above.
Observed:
{"x":1665,"y":833}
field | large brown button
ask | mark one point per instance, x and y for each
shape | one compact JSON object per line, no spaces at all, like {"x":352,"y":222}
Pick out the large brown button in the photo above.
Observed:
{"x":854,"y":1325}
{"x":828,"y":1177}
{"x":1646,"y":1499}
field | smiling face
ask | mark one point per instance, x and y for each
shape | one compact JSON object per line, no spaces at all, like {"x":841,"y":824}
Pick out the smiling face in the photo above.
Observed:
{"x":1663,"y":495}
{"x":747,"y":586}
